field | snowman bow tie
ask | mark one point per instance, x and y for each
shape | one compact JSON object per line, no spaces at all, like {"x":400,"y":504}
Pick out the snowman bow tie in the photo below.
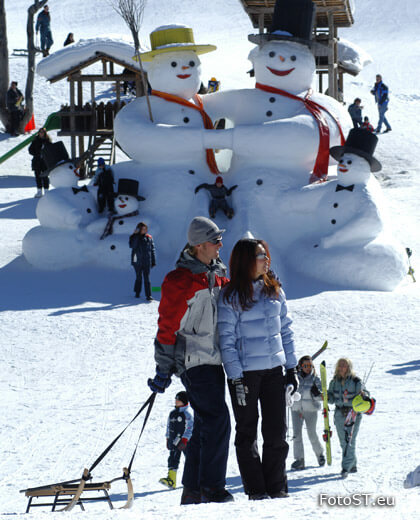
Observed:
{"x":348,"y":188}
{"x":76,"y":190}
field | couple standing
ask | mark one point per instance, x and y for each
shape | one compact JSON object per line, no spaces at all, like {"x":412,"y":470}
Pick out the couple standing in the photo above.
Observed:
{"x":247,"y":329}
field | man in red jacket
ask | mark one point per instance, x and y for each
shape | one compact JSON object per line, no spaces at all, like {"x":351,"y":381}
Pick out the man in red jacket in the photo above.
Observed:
{"x":186,"y":345}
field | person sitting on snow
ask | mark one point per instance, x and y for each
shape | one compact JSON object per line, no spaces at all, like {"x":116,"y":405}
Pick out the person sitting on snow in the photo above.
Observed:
{"x":218,"y":193}
{"x":366,"y":124}
{"x":178,"y":433}
{"x":104,"y":179}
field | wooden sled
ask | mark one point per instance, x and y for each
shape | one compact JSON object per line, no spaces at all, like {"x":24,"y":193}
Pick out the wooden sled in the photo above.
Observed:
{"x":68,"y":494}
{"x":72,"y":493}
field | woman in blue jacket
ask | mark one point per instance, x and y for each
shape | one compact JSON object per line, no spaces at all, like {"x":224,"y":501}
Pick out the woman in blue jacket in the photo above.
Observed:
{"x":258,"y":355}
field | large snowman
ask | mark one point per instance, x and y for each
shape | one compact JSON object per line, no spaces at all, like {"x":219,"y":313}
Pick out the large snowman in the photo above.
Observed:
{"x":170,"y":152}
{"x":282,"y":129}
{"x":349,"y":242}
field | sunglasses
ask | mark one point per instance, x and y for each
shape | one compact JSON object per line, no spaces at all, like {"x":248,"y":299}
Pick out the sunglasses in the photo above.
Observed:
{"x":216,"y":241}
{"x":307,"y":365}
{"x":261,"y":256}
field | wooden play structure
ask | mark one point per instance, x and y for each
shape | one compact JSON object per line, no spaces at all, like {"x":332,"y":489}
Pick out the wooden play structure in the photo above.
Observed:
{"x":89,"y":124}
{"x":330,"y":16}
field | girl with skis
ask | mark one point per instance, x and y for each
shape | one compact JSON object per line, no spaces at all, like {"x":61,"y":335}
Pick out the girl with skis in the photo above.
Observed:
{"x":306,"y":410}
{"x":344,"y":386}
{"x":258,"y":355}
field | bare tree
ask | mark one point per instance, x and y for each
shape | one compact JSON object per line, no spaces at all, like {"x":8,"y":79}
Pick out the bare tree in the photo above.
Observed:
{"x":131,"y":11}
{"x":4,"y":64}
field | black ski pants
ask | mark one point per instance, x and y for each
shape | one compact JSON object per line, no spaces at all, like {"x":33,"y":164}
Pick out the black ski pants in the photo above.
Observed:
{"x":266,"y":474}
{"x":105,"y":199}
{"x":142,"y":273}
{"x":42,"y":181}
{"x":207,"y":450}
{"x":174,"y":458}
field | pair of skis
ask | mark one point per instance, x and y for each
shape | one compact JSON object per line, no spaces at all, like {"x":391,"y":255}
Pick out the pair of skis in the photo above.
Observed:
{"x":327,"y":430}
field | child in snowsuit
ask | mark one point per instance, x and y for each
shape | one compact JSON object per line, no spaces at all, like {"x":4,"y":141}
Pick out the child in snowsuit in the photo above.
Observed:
{"x":306,"y":410}
{"x":143,"y":258}
{"x":104,"y":179}
{"x":218,"y":193}
{"x":344,"y":386}
{"x":178,"y":433}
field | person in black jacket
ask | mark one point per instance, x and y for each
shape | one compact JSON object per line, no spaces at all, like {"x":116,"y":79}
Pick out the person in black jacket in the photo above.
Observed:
{"x":38,"y":164}
{"x":14,"y":99}
{"x":143,"y":258}
{"x":104,"y":179}
{"x":69,"y":40}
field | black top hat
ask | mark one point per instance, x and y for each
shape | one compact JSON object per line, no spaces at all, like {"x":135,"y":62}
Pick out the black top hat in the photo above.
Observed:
{"x":361,"y":142}
{"x":293,"y":20}
{"x":129,"y":187}
{"x":54,"y":154}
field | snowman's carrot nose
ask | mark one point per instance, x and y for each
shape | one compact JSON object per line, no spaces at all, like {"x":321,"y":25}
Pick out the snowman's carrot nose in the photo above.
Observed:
{"x":184,"y":67}
{"x":281,"y":58}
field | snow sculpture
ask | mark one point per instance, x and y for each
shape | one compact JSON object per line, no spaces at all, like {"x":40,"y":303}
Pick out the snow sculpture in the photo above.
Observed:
{"x":280,"y":125}
{"x":348,"y":242}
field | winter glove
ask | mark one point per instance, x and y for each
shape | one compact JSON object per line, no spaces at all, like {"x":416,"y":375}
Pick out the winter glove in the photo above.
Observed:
{"x":229,"y":191}
{"x":291,"y":379}
{"x":182,"y":444}
{"x":160,"y":382}
{"x":315,"y":391}
{"x":240,"y":391}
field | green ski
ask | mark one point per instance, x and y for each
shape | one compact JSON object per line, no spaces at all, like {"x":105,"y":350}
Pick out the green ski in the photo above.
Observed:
{"x":321,"y":350}
{"x":327,"y":430}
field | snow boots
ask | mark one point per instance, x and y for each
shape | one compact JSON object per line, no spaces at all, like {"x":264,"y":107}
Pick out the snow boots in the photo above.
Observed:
{"x":38,"y":194}
{"x":219,"y":495}
{"x":298,"y":464}
{"x":321,"y":460}
{"x":170,"y":480}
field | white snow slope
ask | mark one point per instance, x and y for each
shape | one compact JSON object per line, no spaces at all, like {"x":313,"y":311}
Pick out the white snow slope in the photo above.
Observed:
{"x":77,"y":348}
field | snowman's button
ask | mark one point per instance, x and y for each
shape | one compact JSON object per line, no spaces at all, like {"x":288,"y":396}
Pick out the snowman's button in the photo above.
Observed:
{"x":121,"y":222}
{"x":333,"y":221}
{"x":89,"y":210}
{"x":272,"y":100}
{"x":316,"y":245}
{"x":191,"y":172}
{"x":269,"y":113}
{"x":259,"y":182}
{"x":186,"y":119}
{"x":112,"y":247}
{"x":335,"y":205}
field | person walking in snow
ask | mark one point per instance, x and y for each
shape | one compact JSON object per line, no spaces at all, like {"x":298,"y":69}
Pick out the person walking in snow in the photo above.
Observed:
{"x":186,"y":345}
{"x":258,"y":353}
{"x":344,"y":386}
{"x":306,"y":411}
{"x":355,"y":111}
{"x":38,"y":164}
{"x":178,"y":433}
{"x":380,"y":91}
{"x":104,"y":179}
{"x":143,"y":258}
{"x":43,"y":26}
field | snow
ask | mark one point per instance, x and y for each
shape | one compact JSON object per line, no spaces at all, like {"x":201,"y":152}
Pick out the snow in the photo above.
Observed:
{"x":77,"y":348}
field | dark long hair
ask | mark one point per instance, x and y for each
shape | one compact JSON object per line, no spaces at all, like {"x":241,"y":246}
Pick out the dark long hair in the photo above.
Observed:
{"x":242,"y":268}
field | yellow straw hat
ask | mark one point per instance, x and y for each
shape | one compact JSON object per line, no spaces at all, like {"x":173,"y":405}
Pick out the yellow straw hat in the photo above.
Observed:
{"x":172,"y":38}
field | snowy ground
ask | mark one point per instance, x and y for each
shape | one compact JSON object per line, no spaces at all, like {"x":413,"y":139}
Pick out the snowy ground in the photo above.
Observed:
{"x":77,"y":347}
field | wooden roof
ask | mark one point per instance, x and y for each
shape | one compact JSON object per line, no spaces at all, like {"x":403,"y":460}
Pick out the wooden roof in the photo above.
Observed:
{"x":340,"y":9}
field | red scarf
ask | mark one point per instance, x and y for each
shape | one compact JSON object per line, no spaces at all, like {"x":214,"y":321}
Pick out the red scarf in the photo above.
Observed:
{"x":208,"y":124}
{"x":320,"y":170}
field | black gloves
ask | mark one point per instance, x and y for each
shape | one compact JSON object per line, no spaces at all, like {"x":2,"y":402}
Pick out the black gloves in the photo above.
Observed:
{"x":315,"y":391}
{"x":240,"y":391}
{"x":160,"y":382}
{"x":291,"y":379}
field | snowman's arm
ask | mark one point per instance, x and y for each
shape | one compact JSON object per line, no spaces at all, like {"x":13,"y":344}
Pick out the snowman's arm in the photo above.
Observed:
{"x":364,"y":227}
{"x":57,"y":212}
{"x":97,"y":226}
{"x":301,"y":200}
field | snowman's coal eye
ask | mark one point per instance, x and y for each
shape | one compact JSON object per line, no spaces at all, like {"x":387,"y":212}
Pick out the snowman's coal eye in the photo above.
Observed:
{"x":126,"y":198}
{"x":192,"y":64}
{"x":271,"y":54}
{"x":70,"y":167}
{"x":349,"y":162}
{"x":293,"y":58}
{"x":174,"y":64}
{"x":341,"y":161}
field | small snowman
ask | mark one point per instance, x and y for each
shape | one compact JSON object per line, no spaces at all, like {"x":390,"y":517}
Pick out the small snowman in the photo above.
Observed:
{"x":339,"y":227}
{"x":126,"y":206}
{"x":281,"y":125}
{"x":68,"y":206}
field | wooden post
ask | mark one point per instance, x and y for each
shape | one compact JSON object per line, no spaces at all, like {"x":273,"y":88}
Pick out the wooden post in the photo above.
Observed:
{"x":72,"y":119}
{"x":331,"y":56}
{"x":80,"y":104}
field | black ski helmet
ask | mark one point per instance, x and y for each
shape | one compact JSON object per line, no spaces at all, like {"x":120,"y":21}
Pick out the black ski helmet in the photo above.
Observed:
{"x":182,"y":396}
